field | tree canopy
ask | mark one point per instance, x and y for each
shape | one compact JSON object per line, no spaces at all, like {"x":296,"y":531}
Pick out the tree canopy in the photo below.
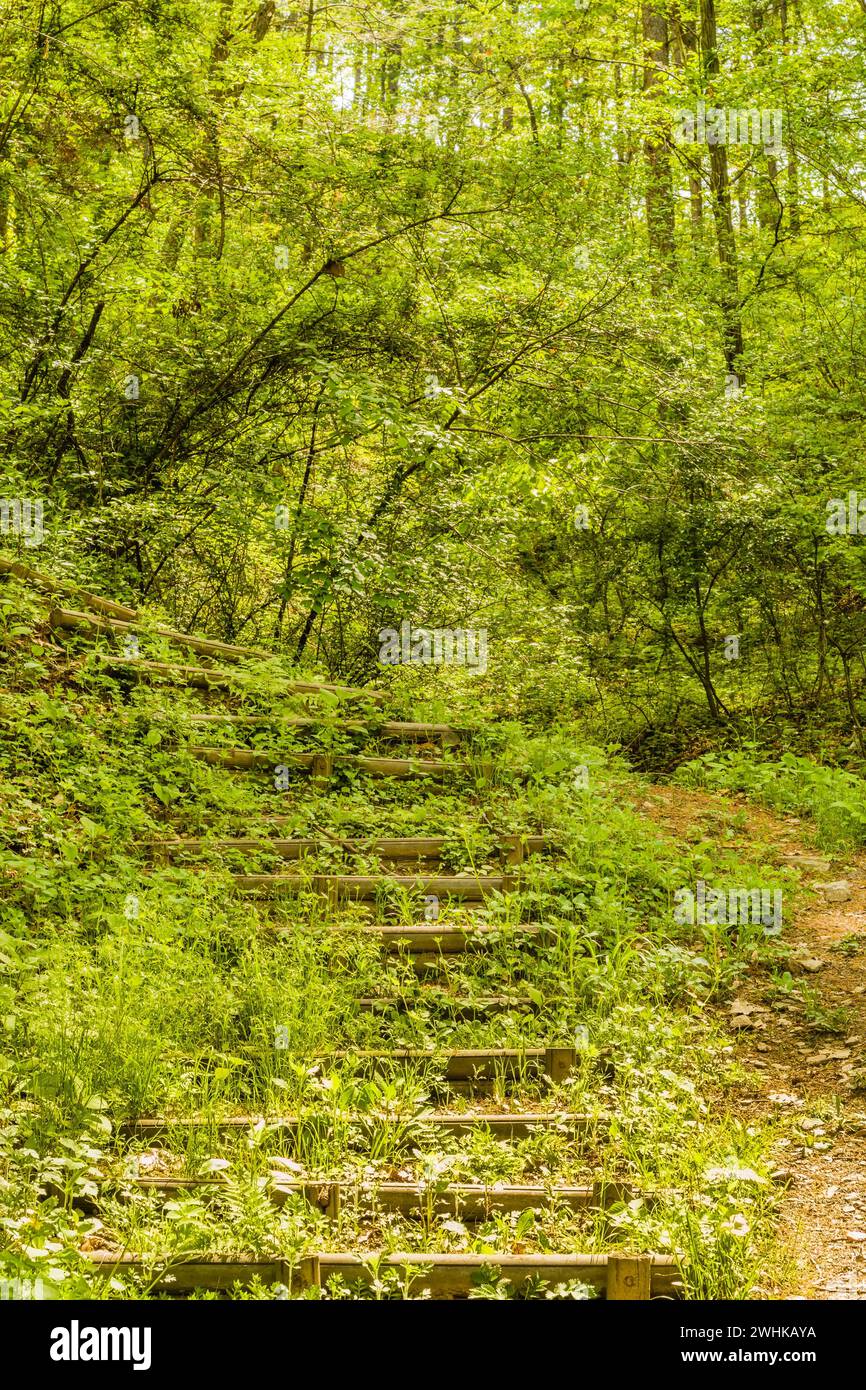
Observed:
{"x":317,"y":319}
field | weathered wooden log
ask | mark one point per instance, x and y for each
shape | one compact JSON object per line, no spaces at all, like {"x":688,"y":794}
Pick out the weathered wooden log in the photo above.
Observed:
{"x":439,"y":938}
{"x":444,"y":1276}
{"x":411,"y":848}
{"x":61,"y":619}
{"x":72,"y":620}
{"x":366,"y":887}
{"x":247,"y":759}
{"x":451,"y":1004}
{"x":47,"y":584}
{"x":508,"y":1125}
{"x":465,"y":1201}
{"x":396,"y":729}
{"x":480,"y":1064}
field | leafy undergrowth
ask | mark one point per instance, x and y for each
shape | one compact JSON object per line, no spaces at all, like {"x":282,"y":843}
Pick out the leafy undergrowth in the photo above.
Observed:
{"x":830,"y":797}
{"x":132,"y":988}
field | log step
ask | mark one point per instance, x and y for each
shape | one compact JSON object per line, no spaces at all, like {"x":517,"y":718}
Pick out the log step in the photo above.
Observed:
{"x":476,"y":1064}
{"x":472,"y":1066}
{"x":501,"y":1125}
{"x":464,"y":1201}
{"x":436,"y":939}
{"x":431,"y":998}
{"x":512,"y":848}
{"x":199,"y":677}
{"x":444,"y":939}
{"x":71,"y":620}
{"x":365,"y":888}
{"x":211,"y":678}
{"x":247,"y":759}
{"x":48,"y":584}
{"x":385,"y":729}
{"x":615,"y":1276}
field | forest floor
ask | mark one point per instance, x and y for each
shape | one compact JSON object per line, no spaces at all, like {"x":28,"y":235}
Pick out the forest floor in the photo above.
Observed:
{"x":807,"y":1052}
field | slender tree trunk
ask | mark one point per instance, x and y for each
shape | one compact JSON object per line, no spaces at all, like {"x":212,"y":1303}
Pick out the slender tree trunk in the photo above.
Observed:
{"x":714,"y":704}
{"x":558,"y":99}
{"x":720,"y":190}
{"x":766,"y":169}
{"x":793,"y":181}
{"x":769,"y":203}
{"x":302,"y":497}
{"x":696,"y":202}
{"x":659,"y":189}
{"x":793,"y":190}
{"x":683,"y":41}
{"x":819,"y":571}
{"x":4,"y":204}
{"x":392,"y":63}
{"x":850,"y":699}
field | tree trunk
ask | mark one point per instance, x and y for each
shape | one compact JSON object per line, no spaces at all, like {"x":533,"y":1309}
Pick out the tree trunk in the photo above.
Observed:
{"x":793,"y":181}
{"x":720,"y":191}
{"x":766,"y":169}
{"x":684,"y":40}
{"x":659,"y":190}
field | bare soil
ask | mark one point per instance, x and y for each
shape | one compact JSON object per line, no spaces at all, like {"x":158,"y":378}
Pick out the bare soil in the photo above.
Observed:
{"x":804,"y":1060}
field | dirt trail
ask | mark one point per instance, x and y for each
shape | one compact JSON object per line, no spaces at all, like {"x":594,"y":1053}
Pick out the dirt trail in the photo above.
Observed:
{"x":803,"y":1060}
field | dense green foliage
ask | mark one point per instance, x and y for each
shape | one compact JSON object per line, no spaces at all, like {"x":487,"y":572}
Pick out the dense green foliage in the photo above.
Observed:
{"x":171,"y":1008}
{"x":432,"y":279}
{"x":321,"y":321}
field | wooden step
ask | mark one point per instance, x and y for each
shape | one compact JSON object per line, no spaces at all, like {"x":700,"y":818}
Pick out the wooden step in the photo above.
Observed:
{"x":199,"y":677}
{"x":472,"y":1066}
{"x":447,"y":940}
{"x":475,"y":1064}
{"x":410,"y":848}
{"x":164,"y":851}
{"x":396,"y":729}
{"x":502,"y":1125}
{"x":325,"y":1195}
{"x":211,"y":678}
{"x":439,"y":938}
{"x":248,"y":759}
{"x":367,"y":887}
{"x":47,"y":584}
{"x":452,"y":1004}
{"x":463,"y":1201}
{"x":321,"y":765}
{"x":65,"y":619}
{"x":616,"y":1276}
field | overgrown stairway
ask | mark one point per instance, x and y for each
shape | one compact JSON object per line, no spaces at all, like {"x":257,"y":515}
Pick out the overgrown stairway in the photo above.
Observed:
{"x":419,"y":915}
